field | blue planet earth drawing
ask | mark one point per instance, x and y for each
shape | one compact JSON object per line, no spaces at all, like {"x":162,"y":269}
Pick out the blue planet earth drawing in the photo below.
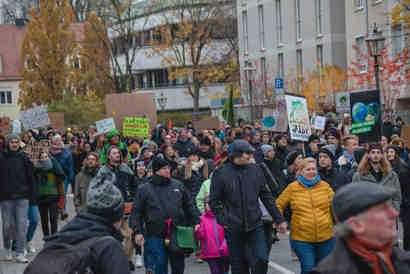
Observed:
{"x":268,"y":121}
{"x":362,"y":112}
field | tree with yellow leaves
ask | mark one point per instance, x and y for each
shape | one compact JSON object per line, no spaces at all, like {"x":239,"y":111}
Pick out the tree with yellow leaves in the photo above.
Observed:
{"x":194,"y":43}
{"x":317,"y":85}
{"x":47,"y":49}
{"x":401,"y":12}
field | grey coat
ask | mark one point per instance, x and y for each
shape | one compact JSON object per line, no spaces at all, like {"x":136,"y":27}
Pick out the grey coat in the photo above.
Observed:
{"x":391,"y":180}
{"x":82,"y":181}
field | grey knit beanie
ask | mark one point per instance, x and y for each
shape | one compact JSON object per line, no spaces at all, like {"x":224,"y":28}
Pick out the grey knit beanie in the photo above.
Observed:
{"x":104,"y":199}
{"x":13,"y":137}
{"x":266,"y":149}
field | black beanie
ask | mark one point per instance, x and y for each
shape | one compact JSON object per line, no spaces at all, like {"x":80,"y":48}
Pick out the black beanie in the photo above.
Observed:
{"x":290,"y":159}
{"x":158,"y":163}
{"x":312,"y":138}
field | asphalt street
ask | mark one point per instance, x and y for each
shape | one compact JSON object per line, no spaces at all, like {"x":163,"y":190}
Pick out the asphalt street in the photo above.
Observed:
{"x":280,"y":259}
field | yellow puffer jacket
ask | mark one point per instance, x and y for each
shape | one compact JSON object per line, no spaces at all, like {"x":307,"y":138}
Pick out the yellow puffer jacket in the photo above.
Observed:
{"x":311,"y":214}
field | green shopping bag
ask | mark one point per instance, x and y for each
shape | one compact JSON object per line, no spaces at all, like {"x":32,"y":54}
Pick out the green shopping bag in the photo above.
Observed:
{"x":185,"y":237}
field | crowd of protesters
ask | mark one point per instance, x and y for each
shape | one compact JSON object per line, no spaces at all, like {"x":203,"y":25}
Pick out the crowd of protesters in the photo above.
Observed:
{"x":237,"y":186}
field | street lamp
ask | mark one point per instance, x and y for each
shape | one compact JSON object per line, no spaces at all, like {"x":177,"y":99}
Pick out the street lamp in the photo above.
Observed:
{"x":249,"y":72}
{"x":375,"y":45}
{"x":162,"y":102}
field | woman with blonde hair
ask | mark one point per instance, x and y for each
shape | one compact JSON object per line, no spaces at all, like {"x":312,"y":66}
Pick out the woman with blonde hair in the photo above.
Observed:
{"x":311,"y":226}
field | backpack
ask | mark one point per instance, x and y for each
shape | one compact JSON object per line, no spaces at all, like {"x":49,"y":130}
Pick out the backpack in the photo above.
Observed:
{"x":61,"y":258}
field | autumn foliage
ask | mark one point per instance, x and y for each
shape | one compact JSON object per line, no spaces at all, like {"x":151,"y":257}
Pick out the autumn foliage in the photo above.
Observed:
{"x":401,"y":12}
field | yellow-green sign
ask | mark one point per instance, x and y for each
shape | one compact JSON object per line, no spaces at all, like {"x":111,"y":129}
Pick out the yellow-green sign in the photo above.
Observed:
{"x":135,"y":127}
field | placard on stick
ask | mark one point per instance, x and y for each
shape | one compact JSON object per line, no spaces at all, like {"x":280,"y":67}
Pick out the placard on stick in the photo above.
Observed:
{"x":405,"y":135}
{"x":135,"y":127}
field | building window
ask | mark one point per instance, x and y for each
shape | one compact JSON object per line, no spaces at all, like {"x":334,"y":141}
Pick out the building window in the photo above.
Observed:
{"x":319,"y":55}
{"x":245,"y":31}
{"x":379,"y":1}
{"x":261,"y":27}
{"x":263,"y":73}
{"x":139,"y":79}
{"x":397,"y":40}
{"x":358,"y":4}
{"x":361,"y":46}
{"x":161,"y":78}
{"x":298,"y":20}
{"x":319,"y":16}
{"x":299,"y":65}
{"x":279,"y":26}
{"x":281,"y":65}
{"x":6,"y":98}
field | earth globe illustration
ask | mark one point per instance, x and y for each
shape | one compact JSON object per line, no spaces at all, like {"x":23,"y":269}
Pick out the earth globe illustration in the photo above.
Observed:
{"x":362,"y":112}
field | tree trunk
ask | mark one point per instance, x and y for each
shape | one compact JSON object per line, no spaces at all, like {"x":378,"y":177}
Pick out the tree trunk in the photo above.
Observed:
{"x":197,"y":89}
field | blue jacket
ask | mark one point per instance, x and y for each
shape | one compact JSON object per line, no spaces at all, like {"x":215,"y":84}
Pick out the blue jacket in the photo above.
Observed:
{"x":66,"y":161}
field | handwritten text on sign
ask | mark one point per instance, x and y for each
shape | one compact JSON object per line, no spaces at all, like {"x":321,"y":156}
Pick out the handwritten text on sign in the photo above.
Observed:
{"x":135,"y":127}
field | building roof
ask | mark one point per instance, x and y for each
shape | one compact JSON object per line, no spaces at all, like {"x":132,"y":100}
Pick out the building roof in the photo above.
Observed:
{"x":11,"y":40}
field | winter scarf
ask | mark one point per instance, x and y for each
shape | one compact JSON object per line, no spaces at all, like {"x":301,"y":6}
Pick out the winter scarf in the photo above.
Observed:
{"x":377,"y":257}
{"x":197,"y":165}
{"x":307,"y":183}
{"x":56,"y":149}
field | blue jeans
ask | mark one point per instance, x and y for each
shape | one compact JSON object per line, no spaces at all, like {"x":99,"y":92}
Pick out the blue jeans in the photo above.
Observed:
{"x":310,"y":254}
{"x":14,"y":217}
{"x":32,"y":222}
{"x":248,"y":250}
{"x":156,"y":257}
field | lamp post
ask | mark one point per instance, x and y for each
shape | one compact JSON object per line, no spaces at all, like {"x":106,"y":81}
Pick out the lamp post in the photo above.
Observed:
{"x":375,"y":45}
{"x":249,"y":71}
{"x":162,"y":102}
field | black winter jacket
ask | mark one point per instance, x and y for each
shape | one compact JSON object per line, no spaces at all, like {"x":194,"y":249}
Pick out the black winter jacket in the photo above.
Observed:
{"x":107,"y":257}
{"x":17,"y":181}
{"x":147,"y":209}
{"x":334,"y":178}
{"x":234,"y":195}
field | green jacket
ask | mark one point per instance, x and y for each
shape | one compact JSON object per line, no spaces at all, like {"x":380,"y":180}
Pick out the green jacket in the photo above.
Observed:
{"x":391,"y":180}
{"x":204,"y":191}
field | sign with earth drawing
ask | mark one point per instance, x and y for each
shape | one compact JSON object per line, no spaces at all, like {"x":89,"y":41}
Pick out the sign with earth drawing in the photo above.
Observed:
{"x":366,"y":115}
{"x":298,"y":117}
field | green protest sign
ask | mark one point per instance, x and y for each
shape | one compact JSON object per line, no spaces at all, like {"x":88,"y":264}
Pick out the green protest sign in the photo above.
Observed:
{"x":135,"y":127}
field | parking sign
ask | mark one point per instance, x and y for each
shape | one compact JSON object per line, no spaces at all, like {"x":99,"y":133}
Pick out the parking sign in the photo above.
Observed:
{"x":279,"y":83}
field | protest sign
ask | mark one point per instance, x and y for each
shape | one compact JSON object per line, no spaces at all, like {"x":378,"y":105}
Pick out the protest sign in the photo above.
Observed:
{"x":35,"y":118}
{"x":343,"y":102}
{"x":298,"y":117}
{"x":366,"y":115}
{"x":57,"y":120}
{"x":135,"y":127}
{"x":34,"y":150}
{"x":123,"y":105}
{"x":319,"y":122}
{"x":207,"y":123}
{"x":103,"y":126}
{"x":405,"y":135}
{"x":5,"y":126}
{"x":274,"y":120}
{"x":16,"y":127}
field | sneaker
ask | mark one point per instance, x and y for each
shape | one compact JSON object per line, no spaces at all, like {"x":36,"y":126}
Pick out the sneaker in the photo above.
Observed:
{"x":30,"y":249}
{"x":138,"y":261}
{"x":21,"y":259}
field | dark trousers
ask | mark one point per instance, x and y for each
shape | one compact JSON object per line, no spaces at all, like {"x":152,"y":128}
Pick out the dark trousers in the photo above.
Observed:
{"x":218,"y":265}
{"x":49,"y":217}
{"x":268,"y":230}
{"x":248,"y":250}
{"x":405,"y":218}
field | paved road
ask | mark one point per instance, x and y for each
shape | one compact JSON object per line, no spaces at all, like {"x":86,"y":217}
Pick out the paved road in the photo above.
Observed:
{"x":280,"y":256}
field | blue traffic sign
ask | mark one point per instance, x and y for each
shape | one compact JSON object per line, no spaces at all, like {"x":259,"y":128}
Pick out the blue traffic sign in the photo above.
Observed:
{"x":279,"y":83}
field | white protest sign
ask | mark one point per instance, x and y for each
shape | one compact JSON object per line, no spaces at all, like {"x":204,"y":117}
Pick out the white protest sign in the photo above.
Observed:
{"x":320,"y":122}
{"x":343,"y":102}
{"x":103,"y":126}
{"x":298,"y":118}
{"x":16,"y":127}
{"x":35,"y":117}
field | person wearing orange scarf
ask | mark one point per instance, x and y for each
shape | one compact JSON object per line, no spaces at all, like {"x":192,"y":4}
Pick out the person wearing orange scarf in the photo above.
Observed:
{"x":366,"y":231}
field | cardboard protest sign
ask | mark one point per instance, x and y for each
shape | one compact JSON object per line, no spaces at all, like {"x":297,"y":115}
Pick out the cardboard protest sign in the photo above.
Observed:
{"x":5,"y":126}
{"x":366,"y":115}
{"x":319,"y":122}
{"x":274,"y":120}
{"x":405,"y":135}
{"x":104,"y":126}
{"x":124,"y":105}
{"x":57,"y":120}
{"x":298,"y":117}
{"x":207,"y":123}
{"x":34,"y":150}
{"x":135,"y":127}
{"x":343,"y":102}
{"x":35,"y":118}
